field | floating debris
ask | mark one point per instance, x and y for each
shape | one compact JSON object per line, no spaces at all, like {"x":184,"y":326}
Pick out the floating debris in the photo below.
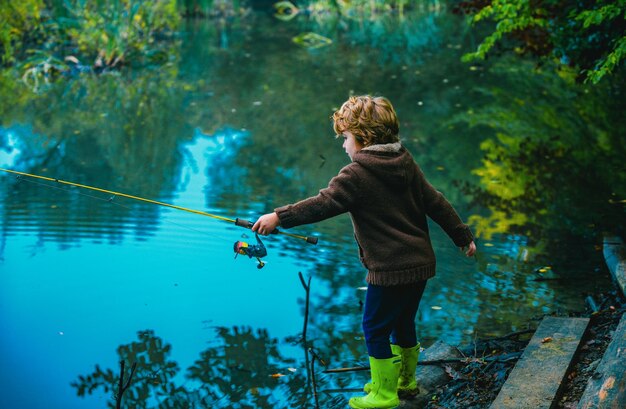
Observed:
{"x":312,"y":40}
{"x":285,"y":10}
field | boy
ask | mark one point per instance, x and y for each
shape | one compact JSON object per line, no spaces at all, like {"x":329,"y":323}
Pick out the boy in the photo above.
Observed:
{"x":388,"y":199}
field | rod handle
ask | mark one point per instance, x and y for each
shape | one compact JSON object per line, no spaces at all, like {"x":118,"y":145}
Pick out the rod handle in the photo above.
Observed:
{"x":248,"y":224}
{"x":243,"y":223}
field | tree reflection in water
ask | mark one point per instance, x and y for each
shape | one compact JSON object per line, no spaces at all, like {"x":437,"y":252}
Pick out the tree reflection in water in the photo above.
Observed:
{"x":245,"y":369}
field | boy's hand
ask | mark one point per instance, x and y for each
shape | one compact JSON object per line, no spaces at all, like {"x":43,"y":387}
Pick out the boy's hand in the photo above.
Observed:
{"x":266,"y":224}
{"x":470,"y":249}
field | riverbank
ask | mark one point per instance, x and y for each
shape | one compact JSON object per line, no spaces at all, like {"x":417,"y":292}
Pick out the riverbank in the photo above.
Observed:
{"x":477,"y":383}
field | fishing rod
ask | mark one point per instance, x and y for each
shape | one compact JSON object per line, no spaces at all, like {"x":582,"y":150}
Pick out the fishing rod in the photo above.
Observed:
{"x":237,"y":221}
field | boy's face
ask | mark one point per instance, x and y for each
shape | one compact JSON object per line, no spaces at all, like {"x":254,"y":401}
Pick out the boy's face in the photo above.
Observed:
{"x":350,"y":144}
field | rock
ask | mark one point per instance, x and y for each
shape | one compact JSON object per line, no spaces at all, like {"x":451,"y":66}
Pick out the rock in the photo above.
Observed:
{"x":614,"y":252}
{"x":430,"y":377}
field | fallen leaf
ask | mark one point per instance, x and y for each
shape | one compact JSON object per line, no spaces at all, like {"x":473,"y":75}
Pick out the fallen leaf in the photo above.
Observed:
{"x":606,"y":386}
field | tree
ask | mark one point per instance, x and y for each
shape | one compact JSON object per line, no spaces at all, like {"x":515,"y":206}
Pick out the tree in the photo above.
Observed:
{"x":19,"y":20}
{"x":588,"y":35}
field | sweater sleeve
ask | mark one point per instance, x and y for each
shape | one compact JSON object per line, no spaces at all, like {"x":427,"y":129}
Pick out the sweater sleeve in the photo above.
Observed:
{"x":441,"y":211}
{"x":337,"y":198}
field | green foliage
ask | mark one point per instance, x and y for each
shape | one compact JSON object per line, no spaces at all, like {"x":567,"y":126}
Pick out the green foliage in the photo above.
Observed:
{"x":511,"y":16}
{"x":610,"y":63}
{"x":110,"y":30}
{"x":349,"y":8}
{"x":19,"y":19}
{"x":553,"y":163}
{"x":106,"y":33}
{"x":589,"y":35}
{"x":205,"y":8}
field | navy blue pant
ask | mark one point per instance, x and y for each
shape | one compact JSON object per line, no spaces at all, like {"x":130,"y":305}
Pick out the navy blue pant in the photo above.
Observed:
{"x":390,"y":312}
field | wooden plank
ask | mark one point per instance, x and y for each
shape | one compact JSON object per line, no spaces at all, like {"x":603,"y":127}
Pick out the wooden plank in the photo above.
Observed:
{"x":615,"y":257}
{"x":607,"y":388}
{"x":536,"y":379}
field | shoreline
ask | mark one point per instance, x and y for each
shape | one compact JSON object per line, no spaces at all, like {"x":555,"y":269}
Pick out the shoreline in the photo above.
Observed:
{"x":477,"y":384}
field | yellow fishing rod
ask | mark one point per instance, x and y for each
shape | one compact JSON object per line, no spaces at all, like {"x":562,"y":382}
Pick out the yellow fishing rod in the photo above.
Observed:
{"x":237,"y":221}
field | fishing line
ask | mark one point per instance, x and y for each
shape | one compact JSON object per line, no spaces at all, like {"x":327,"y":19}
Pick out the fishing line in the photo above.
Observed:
{"x":238,"y":222}
{"x":111,"y":200}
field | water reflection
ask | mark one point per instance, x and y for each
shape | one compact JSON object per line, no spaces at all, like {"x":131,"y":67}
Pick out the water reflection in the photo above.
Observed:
{"x":242,"y":368}
{"x":9,"y":149}
{"x":551,"y":168}
{"x":241,"y":130}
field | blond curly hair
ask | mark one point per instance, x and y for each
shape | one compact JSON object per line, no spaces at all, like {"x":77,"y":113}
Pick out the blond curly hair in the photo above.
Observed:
{"x":372,"y":120}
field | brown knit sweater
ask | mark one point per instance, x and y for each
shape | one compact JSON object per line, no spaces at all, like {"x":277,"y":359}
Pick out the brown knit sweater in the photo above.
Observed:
{"x":388,"y":199}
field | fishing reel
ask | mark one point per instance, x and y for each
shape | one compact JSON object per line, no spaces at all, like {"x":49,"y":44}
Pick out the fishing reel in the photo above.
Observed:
{"x":251,"y":250}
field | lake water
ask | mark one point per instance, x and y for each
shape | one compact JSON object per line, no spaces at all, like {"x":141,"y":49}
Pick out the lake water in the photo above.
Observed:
{"x":235,"y":124}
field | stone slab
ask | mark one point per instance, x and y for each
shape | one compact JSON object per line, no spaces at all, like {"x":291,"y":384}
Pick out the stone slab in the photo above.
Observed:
{"x":606,"y":389}
{"x":535,"y":381}
{"x":615,"y":257}
{"x":430,"y":377}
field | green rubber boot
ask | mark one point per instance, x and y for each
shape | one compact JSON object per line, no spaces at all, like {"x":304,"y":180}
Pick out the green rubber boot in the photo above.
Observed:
{"x":407,"y":385}
{"x":396,"y":350}
{"x":383,"y":393}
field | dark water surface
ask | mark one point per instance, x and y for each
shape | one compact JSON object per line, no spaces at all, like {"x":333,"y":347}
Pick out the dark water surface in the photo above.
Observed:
{"x":236,"y":124}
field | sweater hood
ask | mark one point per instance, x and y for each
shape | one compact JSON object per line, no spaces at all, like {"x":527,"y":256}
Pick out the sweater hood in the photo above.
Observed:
{"x":390,"y":162}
